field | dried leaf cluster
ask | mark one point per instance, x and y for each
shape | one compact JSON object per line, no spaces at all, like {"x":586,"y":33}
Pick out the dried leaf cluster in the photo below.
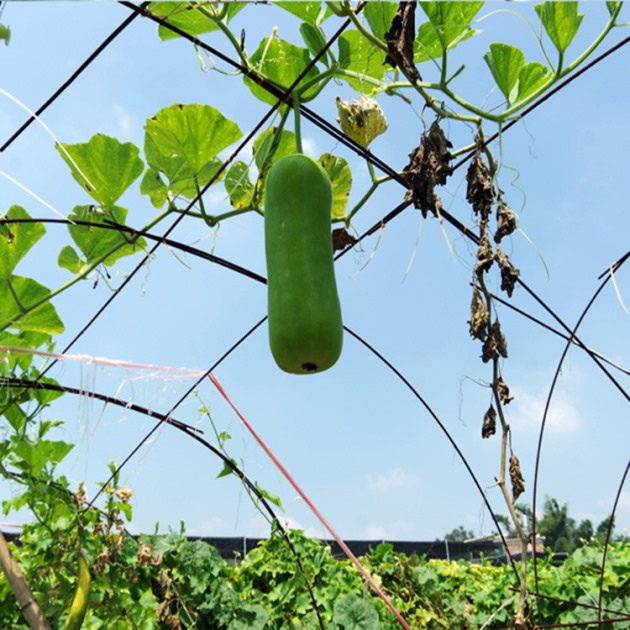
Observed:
{"x":400,"y":40}
{"x":429,"y":166}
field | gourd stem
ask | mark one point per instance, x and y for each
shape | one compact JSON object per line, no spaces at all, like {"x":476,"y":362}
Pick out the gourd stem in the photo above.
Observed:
{"x":298,"y":131}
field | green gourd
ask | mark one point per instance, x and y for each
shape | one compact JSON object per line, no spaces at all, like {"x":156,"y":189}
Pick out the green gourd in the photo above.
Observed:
{"x":305,"y":325}
{"x":80,"y":603}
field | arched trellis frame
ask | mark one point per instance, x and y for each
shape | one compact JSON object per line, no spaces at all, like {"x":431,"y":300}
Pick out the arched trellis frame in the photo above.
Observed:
{"x":285,"y":97}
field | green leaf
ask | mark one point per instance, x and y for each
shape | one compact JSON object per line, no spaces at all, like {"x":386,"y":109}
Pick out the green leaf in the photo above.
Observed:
{"x":263,"y":144}
{"x":70,"y":260}
{"x":102,"y":244}
{"x":272,"y":498}
{"x":189,"y":19}
{"x":450,"y":19}
{"x":427,"y":45}
{"x":16,"y":239}
{"x":611,"y":6}
{"x":312,"y":13}
{"x":126,"y":509}
{"x":238,"y":185}
{"x":31,"y":340}
{"x":341,"y":180}
{"x":281,"y":63}
{"x":530,"y":78}
{"x":5,"y":34}
{"x":109,"y":165}
{"x":13,"y":413}
{"x":505,"y":63}
{"x":227,"y":469}
{"x":153,"y":185}
{"x":379,"y":16}
{"x":358,"y":55}
{"x":194,"y":133}
{"x":354,"y":612}
{"x":35,"y":455}
{"x":15,"y":503}
{"x":44,"y":396}
{"x":55,"y":450}
{"x":182,"y":179}
{"x":184,"y":182}
{"x":232,"y":9}
{"x":561,"y":20}
{"x":314,"y":39}
{"x":43,"y":318}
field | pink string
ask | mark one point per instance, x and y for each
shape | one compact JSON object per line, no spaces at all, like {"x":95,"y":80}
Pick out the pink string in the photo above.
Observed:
{"x":308,"y":502}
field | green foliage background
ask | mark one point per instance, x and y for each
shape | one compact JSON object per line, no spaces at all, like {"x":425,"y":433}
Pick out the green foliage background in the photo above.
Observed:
{"x":171,"y":582}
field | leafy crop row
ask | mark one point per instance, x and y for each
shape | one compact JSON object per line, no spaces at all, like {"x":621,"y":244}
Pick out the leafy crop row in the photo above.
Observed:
{"x":173,"y":582}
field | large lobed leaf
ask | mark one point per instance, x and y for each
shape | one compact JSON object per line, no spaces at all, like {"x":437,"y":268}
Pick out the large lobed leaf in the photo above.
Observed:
{"x":106,"y":167}
{"x":505,"y":63}
{"x":450,"y":19}
{"x":194,"y":133}
{"x":561,"y":21}
{"x":181,"y":144}
{"x":358,"y":54}
{"x":379,"y":16}
{"x":313,"y":13}
{"x":188,"y":18}
{"x":281,"y":63}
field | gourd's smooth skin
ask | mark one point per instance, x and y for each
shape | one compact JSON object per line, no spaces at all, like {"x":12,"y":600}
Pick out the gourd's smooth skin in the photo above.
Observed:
{"x":305,"y":324}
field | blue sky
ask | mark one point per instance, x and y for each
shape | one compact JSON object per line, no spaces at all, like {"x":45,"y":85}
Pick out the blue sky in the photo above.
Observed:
{"x":360,"y":445}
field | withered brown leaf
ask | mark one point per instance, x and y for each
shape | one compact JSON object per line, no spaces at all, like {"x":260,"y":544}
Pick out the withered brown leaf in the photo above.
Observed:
{"x":516,"y":477}
{"x":479,"y":316}
{"x":341,"y":239}
{"x":400,"y":38}
{"x":506,"y":220}
{"x":489,"y":423}
{"x":429,"y":166}
{"x":479,"y":191}
{"x":509,"y":273}
{"x":504,"y":391}
{"x":495,"y":345}
{"x":485,"y":255}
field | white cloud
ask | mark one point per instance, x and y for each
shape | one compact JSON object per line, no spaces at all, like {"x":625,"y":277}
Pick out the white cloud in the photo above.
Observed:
{"x":396,"y":479}
{"x":527,"y":409}
{"x":124,"y":120}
